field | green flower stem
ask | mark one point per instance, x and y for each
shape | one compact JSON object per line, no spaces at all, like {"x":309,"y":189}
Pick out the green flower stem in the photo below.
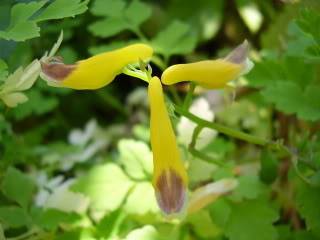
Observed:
{"x":278,"y":146}
{"x":220,"y":128}
{"x":197,"y":153}
{"x":28,"y":234}
{"x":140,"y":34}
{"x":188,"y":98}
{"x":158,"y":62}
{"x":175,"y":95}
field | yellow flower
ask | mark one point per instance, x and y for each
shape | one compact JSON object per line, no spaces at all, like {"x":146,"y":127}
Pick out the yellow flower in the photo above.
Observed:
{"x":211,"y":73}
{"x":94,"y":72}
{"x":170,"y":178}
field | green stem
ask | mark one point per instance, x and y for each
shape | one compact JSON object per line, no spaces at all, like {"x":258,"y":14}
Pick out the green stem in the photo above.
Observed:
{"x":31,"y":232}
{"x":140,"y":34}
{"x":159,"y":62}
{"x":220,"y":128}
{"x":198,"y":154}
{"x":277,"y":145}
{"x":175,"y":95}
{"x":188,"y":98}
{"x":118,"y":222}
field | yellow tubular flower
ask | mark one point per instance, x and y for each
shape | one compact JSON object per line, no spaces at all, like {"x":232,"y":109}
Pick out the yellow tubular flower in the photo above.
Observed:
{"x":211,"y":73}
{"x":170,"y":178}
{"x":94,"y":72}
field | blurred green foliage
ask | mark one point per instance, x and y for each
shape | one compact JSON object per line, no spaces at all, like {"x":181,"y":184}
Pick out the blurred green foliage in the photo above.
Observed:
{"x":78,"y":165}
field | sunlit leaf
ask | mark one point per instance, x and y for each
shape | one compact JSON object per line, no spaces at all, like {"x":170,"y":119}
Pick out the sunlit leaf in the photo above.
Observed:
{"x":106,"y":186}
{"x":140,"y":206}
{"x":145,"y":233}
{"x":136,"y":158}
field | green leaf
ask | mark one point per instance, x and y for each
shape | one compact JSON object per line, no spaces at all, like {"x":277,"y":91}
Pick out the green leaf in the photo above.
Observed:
{"x":220,"y":211}
{"x":3,"y":70}
{"x":147,"y":232}
{"x":2,"y":237}
{"x":118,"y":17}
{"x":18,"y":187}
{"x":136,"y":158}
{"x":14,"y":216}
{"x":107,"y":186}
{"x":14,"y":99}
{"x":203,"y":225}
{"x":251,"y":220}
{"x":50,"y":219}
{"x":137,"y":12}
{"x":21,"y":27}
{"x":290,"y":84}
{"x":23,"y":24}
{"x":59,"y":9}
{"x":308,"y":199}
{"x":109,"y":8}
{"x":304,"y":235}
{"x":309,"y":21}
{"x":138,"y":205}
{"x":108,"y":27}
{"x":175,"y":39}
{"x":200,"y":170}
{"x":269,"y":167}
{"x":204,"y":17}
{"x":290,"y":98}
{"x":249,"y":187}
{"x":33,"y":107}
{"x":110,"y":223}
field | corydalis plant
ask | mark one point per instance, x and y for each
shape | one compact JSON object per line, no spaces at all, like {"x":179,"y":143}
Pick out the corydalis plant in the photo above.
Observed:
{"x":170,"y":179}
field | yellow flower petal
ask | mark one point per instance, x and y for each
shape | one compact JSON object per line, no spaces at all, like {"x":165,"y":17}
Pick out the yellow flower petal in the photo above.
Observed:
{"x":170,"y":177}
{"x":94,"y":72}
{"x":210,"y":74}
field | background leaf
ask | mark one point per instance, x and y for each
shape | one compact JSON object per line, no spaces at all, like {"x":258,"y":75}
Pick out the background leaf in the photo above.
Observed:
{"x":18,"y":187}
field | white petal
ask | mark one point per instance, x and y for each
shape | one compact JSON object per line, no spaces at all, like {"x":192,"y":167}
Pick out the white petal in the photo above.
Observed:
{"x":201,"y":108}
{"x":79,"y":137}
{"x":210,"y":192}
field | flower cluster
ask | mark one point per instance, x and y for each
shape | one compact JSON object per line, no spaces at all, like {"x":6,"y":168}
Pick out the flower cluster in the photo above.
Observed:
{"x":170,"y":178}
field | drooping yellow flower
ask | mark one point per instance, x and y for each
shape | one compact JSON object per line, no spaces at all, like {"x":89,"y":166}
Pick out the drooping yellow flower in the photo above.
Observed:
{"x":94,"y":72}
{"x":211,"y":73}
{"x":170,"y":178}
